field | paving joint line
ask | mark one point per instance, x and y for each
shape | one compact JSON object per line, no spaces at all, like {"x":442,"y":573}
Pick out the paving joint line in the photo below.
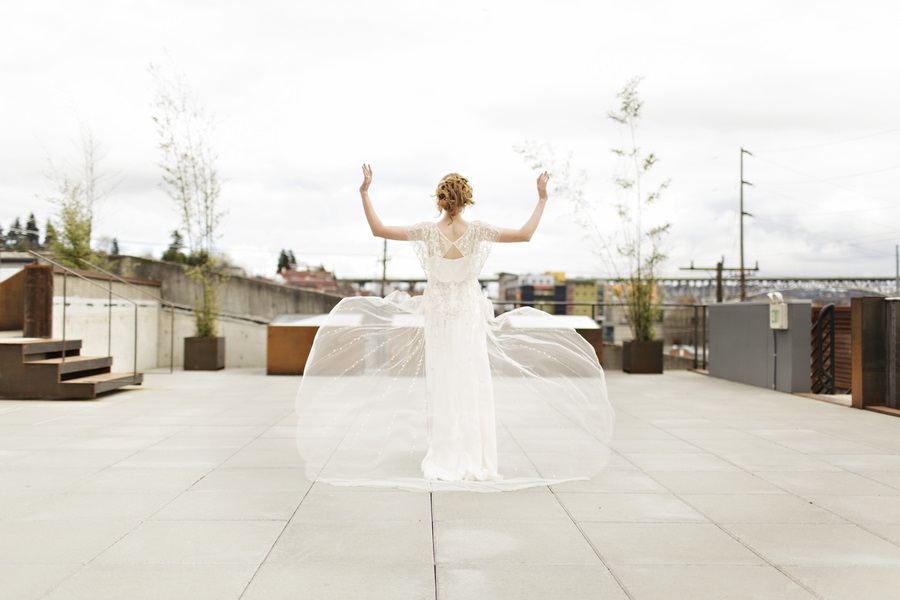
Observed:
{"x":433,"y":544}
{"x":591,"y":544}
{"x":711,"y":521}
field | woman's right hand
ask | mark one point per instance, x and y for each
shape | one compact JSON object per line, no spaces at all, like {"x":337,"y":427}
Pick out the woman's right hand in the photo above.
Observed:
{"x":367,"y":178}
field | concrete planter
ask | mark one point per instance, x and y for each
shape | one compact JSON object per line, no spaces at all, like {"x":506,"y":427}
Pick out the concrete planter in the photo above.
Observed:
{"x":642,"y":357}
{"x":204,"y":354}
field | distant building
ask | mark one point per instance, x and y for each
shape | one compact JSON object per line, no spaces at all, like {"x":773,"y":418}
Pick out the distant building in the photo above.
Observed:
{"x":534,"y":290}
{"x":580,"y":290}
{"x":615,"y":321}
{"x":313,"y":278}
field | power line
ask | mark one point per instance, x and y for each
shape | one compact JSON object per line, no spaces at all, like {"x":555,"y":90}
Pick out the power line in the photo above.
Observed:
{"x":838,"y":177}
{"x":825,"y":181}
{"x":843,"y":141}
{"x":818,"y":213}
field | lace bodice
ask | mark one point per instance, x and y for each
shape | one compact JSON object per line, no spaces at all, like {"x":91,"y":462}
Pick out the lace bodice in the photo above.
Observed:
{"x":452,"y":283}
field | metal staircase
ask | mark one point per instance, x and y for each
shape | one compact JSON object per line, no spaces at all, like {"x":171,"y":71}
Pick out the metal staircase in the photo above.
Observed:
{"x":39,"y":368}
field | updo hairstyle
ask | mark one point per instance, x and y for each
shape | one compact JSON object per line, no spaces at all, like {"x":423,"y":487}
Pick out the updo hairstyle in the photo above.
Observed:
{"x":453,"y":194}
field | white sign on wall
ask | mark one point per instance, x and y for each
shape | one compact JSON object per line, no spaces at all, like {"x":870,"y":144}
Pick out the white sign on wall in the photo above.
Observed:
{"x":778,"y":315}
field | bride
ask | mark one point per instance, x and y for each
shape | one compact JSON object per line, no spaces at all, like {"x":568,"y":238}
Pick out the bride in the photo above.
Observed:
{"x":435,"y":392}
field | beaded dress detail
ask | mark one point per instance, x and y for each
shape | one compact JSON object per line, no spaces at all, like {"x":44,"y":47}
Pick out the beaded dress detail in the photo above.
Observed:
{"x":433,"y":392}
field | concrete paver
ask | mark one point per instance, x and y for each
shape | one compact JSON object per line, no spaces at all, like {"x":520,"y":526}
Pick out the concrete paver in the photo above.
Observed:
{"x":191,"y":487}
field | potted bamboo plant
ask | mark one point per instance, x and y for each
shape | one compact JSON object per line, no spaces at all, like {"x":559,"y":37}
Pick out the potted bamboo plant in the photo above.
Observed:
{"x":190,"y":178}
{"x":639,"y":245}
{"x":635,"y":251}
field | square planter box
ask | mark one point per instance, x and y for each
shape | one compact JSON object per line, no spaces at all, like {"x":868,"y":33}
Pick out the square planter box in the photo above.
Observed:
{"x":204,"y":354}
{"x":642,"y":357}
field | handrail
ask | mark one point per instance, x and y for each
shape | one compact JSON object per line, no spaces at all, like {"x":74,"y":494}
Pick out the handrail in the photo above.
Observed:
{"x":155,"y":297}
{"x":567,"y":303}
{"x":66,"y":270}
{"x":178,"y":305}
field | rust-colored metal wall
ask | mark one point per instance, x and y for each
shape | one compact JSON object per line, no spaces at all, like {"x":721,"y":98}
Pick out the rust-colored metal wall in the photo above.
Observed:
{"x":594,"y":337}
{"x":287,"y":349}
{"x":868,"y":351}
{"x":12,"y":302}
{"x":38,"y":321}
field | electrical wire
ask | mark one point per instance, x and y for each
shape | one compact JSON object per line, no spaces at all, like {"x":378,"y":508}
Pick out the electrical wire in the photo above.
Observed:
{"x":813,"y":177}
{"x":832,"y":143}
{"x":825,"y":179}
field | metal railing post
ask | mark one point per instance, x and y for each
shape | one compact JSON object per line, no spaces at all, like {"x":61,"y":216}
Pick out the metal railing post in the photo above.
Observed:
{"x":705,"y":310}
{"x":696,"y":341}
{"x":134,"y":372}
{"x":65,"y":280}
{"x":109,"y":322}
{"x":172,"y":341}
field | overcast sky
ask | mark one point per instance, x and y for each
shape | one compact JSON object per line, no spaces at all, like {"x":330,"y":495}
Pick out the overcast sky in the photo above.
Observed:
{"x":304,"y":92}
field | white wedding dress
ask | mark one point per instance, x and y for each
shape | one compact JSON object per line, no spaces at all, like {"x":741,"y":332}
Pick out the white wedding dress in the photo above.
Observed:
{"x":433,"y":392}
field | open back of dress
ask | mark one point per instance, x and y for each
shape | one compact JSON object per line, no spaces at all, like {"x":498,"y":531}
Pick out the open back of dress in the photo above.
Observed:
{"x":434,"y":392}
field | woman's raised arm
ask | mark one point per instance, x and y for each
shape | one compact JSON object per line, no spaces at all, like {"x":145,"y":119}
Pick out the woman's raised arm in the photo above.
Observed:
{"x":524,"y":233}
{"x":379,"y":229}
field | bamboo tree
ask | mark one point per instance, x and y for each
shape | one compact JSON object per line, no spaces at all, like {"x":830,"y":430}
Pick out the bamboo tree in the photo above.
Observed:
{"x":191,"y":179}
{"x":80,"y":189}
{"x":635,"y":252}
{"x":639,"y":245}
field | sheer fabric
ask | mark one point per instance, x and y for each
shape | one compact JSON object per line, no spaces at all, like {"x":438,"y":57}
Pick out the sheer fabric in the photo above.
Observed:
{"x":434,"y":393}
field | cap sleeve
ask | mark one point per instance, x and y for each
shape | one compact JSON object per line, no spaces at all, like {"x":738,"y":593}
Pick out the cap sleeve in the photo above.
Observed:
{"x":488,"y":232}
{"x":416,"y":233}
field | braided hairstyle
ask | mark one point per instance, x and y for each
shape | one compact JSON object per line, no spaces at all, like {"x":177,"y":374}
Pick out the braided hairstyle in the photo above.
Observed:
{"x":453,"y":194}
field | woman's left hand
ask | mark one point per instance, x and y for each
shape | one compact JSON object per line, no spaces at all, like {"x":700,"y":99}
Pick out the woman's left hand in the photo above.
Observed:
{"x":367,"y":178}
{"x":542,"y":185}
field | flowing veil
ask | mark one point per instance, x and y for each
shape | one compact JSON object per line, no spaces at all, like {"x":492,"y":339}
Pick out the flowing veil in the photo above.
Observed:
{"x":363,"y":410}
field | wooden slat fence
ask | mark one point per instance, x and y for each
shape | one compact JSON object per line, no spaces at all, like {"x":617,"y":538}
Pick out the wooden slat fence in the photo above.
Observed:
{"x":842,"y":365}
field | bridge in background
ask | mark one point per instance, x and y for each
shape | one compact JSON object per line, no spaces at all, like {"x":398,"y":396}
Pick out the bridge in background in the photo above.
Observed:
{"x":704,"y":288}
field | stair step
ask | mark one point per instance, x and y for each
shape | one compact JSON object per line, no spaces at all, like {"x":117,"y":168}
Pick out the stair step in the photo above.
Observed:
{"x":103,"y":382}
{"x":73,"y":364}
{"x":41,"y":345}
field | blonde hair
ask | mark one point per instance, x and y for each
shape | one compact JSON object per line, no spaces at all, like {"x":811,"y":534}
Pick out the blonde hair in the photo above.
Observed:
{"x":453,"y":194}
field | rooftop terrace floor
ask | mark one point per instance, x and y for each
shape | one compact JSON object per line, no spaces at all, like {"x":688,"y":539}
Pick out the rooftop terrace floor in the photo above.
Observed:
{"x":191,"y":487}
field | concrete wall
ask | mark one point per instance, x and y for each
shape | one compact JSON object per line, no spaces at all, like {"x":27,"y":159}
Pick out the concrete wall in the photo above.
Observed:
{"x":87,"y":319}
{"x":743,"y":348}
{"x":88,"y":310}
{"x":238,"y":295}
{"x":89,"y":313}
{"x":245,"y":342}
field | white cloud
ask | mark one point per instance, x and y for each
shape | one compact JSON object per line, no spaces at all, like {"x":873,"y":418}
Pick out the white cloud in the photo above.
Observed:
{"x":304,"y":92}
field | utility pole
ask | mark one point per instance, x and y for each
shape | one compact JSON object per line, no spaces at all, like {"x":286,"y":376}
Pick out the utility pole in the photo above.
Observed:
{"x":384,"y":260}
{"x":897,"y":267}
{"x":743,"y":183}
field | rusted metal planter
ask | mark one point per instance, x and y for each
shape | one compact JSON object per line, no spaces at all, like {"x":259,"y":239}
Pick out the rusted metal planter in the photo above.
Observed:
{"x":204,"y":354}
{"x":642,"y":357}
